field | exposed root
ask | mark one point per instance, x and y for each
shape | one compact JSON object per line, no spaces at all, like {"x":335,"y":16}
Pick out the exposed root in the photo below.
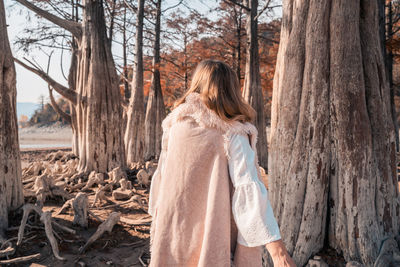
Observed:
{"x":44,"y":187}
{"x":117,"y":174}
{"x":107,"y":225}
{"x":100,"y":194}
{"x":80,"y":205}
{"x":21,"y":259}
{"x":7,"y":252}
{"x":143,"y":178}
{"x":143,"y":221}
{"x":94,"y":178}
{"x":46,"y":219}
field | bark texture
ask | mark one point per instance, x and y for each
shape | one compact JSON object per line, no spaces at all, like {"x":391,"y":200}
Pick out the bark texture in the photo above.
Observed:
{"x":98,"y":110}
{"x":155,"y":111}
{"x":252,"y":90}
{"x":134,"y":133}
{"x":11,"y":194}
{"x":332,"y":167}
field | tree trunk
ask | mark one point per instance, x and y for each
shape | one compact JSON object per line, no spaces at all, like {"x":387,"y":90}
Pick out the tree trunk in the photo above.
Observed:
{"x":72,"y":79}
{"x":238,"y":21}
{"x":98,"y":108}
{"x":93,"y":90}
{"x":332,"y":168}
{"x":11,"y":194}
{"x":252,"y":91}
{"x":155,"y":112}
{"x":389,"y":67}
{"x":134,"y":133}
{"x":127,"y":92}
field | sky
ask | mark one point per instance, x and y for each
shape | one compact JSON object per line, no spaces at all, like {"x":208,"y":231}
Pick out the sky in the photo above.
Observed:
{"x":29,"y":86}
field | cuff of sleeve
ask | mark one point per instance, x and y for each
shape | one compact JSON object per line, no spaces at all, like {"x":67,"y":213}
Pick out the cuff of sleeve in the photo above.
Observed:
{"x":254,"y":216}
{"x":260,"y":242}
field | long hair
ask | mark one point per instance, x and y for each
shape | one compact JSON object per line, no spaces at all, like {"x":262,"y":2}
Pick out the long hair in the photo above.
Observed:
{"x":219,"y":89}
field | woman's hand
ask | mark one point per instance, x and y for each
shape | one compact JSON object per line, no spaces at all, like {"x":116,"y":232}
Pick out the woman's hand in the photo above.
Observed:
{"x":279,"y":254}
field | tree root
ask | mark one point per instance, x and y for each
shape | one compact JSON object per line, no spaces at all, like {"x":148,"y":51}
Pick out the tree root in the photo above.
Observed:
{"x":107,"y":225}
{"x":7,"y":252}
{"x":143,"y":178}
{"x":94,"y":178}
{"x":44,"y":187}
{"x":80,"y":205}
{"x":45,"y":217}
{"x":21,"y":259}
{"x":117,"y":174}
{"x":143,"y":221}
{"x":100,"y":194}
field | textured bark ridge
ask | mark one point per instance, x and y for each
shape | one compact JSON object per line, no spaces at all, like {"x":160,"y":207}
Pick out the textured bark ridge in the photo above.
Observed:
{"x":98,"y":109}
{"x":11,"y":194}
{"x":332,"y":167}
{"x":252,"y":90}
{"x":155,"y":112}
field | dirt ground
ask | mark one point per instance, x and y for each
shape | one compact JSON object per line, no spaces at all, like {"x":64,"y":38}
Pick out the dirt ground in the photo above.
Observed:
{"x":126,"y":245}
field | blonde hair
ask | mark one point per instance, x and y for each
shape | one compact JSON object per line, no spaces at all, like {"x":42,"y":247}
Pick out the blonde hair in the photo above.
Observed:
{"x":219,"y":89}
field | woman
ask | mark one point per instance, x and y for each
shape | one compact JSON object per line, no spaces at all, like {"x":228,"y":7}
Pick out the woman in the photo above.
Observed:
{"x":208,"y":205}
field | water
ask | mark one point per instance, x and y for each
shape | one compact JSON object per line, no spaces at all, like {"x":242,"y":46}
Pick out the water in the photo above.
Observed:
{"x":45,"y":145}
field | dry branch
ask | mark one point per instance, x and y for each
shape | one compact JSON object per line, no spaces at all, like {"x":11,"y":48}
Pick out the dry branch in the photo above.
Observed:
{"x":61,"y":89}
{"x":73,"y":27}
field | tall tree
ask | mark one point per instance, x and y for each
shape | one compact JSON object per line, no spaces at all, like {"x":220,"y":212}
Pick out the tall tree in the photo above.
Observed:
{"x":155,"y":111}
{"x":11,"y":193}
{"x":95,"y":96}
{"x":134,"y":133}
{"x":386,"y":27}
{"x":332,"y":168}
{"x":252,"y":90}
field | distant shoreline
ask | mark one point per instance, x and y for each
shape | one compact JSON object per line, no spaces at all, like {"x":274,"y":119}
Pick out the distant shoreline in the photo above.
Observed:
{"x":45,"y":138}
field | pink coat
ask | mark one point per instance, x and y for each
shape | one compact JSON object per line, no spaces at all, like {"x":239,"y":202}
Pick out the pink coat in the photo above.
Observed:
{"x":190,"y":196}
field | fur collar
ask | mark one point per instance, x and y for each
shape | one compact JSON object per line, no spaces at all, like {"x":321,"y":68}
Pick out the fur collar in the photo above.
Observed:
{"x":195,"y":108}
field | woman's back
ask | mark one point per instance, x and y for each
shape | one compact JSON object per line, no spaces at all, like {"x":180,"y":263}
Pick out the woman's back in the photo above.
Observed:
{"x":193,"y":219}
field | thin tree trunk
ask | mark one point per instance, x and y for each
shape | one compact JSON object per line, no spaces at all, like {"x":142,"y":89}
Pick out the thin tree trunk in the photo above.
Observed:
{"x":332,"y":168}
{"x":389,"y":64}
{"x":134,"y":133}
{"x":252,"y":90}
{"x":11,"y":194}
{"x":238,"y":20}
{"x":127,"y":92}
{"x":155,"y":112}
{"x":72,"y":79}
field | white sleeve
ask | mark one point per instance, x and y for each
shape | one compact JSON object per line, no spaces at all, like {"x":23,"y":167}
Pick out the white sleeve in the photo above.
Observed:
{"x":251,"y":208}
